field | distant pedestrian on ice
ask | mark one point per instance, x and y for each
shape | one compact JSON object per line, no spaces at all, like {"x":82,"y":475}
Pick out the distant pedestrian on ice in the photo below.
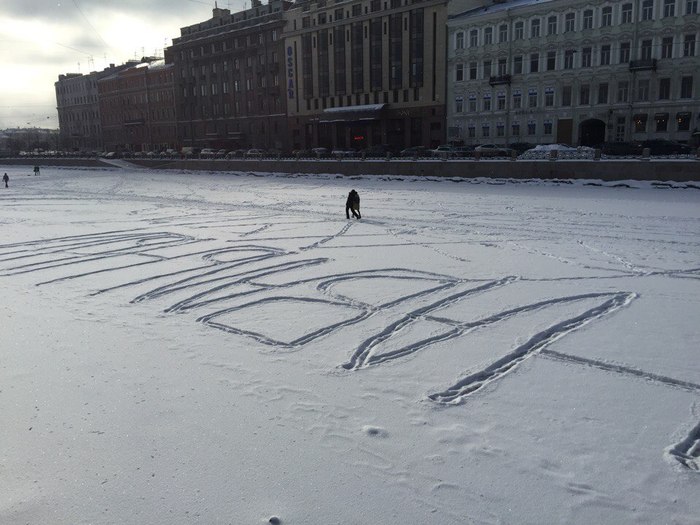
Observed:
{"x":353,"y":204}
{"x":6,"y":179}
{"x":36,"y":170}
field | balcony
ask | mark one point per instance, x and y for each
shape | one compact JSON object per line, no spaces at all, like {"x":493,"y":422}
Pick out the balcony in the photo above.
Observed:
{"x":500,"y":79}
{"x":643,"y":64}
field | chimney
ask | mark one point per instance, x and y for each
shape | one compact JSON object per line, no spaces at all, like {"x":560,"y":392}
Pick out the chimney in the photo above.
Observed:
{"x":255,"y":3}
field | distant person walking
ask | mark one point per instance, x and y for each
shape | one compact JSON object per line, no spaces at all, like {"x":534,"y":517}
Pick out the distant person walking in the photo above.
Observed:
{"x":353,"y":204}
{"x":6,"y":179}
{"x":36,"y":170}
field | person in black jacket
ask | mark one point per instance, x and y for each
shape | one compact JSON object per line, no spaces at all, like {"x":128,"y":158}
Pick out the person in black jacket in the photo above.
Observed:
{"x":6,"y":179}
{"x":353,"y":204}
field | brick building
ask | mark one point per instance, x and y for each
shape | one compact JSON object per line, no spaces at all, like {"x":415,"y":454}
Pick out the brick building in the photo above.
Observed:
{"x":230,"y":79}
{"x":78,"y":109}
{"x":137,"y":107}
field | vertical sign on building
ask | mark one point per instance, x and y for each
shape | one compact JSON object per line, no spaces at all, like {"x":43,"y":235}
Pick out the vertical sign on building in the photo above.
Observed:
{"x":290,"y":72}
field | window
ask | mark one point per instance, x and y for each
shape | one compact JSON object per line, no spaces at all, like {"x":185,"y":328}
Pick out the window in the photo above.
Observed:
{"x":664,"y":88}
{"x":569,"y":59}
{"x":473,"y":38}
{"x":487,"y":68}
{"x":552,"y":25}
{"x":500,"y":129}
{"x":643,"y":90}
{"x":626,"y":13}
{"x":517,"y":65}
{"x":503,"y":33}
{"x":588,"y":19}
{"x":488,"y":35}
{"x":647,"y":9}
{"x":471,"y":131}
{"x":547,"y":127}
{"x":535,"y":28}
{"x":624,"y":52}
{"x":459,"y":104}
{"x":606,"y":17}
{"x":669,"y":8}
{"x":586,"y":54}
{"x":549,"y":97}
{"x":640,"y":123}
{"x":518,"y":31}
{"x":566,"y":96}
{"x":667,"y":47}
{"x":534,"y":62}
{"x":620,"y":129}
{"x":646,"y":50}
{"x":459,"y":40}
{"x":472,"y":70}
{"x":623,"y":89}
{"x":459,"y":72}
{"x":517,"y":100}
{"x":532,"y":99}
{"x":485,"y":130}
{"x":502,"y":67}
{"x":472,"y":103}
{"x":603,"y":93}
{"x":569,"y":22}
{"x":515,"y":129}
{"x":501,"y":101}
{"x":532,"y":128}
{"x":661,"y":121}
{"x":357,"y":9}
{"x":605,"y":55}
{"x":487,"y":102}
{"x":683,"y":121}
{"x":551,"y":60}
{"x":585,"y":95}
{"x":691,"y":7}
{"x":689,"y":46}
{"x":687,"y":87}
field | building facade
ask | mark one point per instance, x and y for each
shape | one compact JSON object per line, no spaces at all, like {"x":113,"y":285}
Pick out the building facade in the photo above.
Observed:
{"x":579,"y":72}
{"x":363,"y":73}
{"x":79,"y":110}
{"x":137,"y":107}
{"x":229,"y":74}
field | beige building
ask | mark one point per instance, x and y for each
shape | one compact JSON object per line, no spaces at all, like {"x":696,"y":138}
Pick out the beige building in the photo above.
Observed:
{"x":580,"y":72}
{"x":366,"y":73}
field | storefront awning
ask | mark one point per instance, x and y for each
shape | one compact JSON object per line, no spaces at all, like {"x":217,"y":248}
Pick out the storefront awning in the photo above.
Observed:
{"x":352,"y":113}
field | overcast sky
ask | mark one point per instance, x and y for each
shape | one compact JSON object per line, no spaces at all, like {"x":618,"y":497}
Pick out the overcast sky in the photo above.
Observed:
{"x":41,"y":39}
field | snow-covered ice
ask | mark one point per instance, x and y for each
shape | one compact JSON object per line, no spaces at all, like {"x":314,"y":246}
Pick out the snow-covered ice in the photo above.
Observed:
{"x":227,"y":348}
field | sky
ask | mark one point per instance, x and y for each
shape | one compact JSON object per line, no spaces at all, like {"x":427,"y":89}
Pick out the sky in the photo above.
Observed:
{"x":41,"y":39}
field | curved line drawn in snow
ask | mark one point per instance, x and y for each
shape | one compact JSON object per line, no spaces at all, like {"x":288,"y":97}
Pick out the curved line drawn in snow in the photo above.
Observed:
{"x":687,"y":451}
{"x":477,"y":380}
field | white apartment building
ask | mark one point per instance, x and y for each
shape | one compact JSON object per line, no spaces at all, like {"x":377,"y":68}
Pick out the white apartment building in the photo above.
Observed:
{"x":579,"y":72}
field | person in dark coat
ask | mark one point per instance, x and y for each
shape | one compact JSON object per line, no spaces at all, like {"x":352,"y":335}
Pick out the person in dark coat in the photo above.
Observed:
{"x":36,"y":170}
{"x":353,"y":204}
{"x":6,"y":179}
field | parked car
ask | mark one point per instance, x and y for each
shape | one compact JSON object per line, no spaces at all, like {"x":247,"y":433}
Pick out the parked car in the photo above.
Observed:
{"x":321,"y":152}
{"x":521,"y":147}
{"x":220,"y":154}
{"x":347,"y":153}
{"x":207,"y":153}
{"x":378,"y":151}
{"x":443,"y":151}
{"x":413,"y":151}
{"x":620,"y":148}
{"x":254,"y":153}
{"x":463,"y":151}
{"x":493,"y":150}
{"x":666,"y":147}
{"x":236,"y":154}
